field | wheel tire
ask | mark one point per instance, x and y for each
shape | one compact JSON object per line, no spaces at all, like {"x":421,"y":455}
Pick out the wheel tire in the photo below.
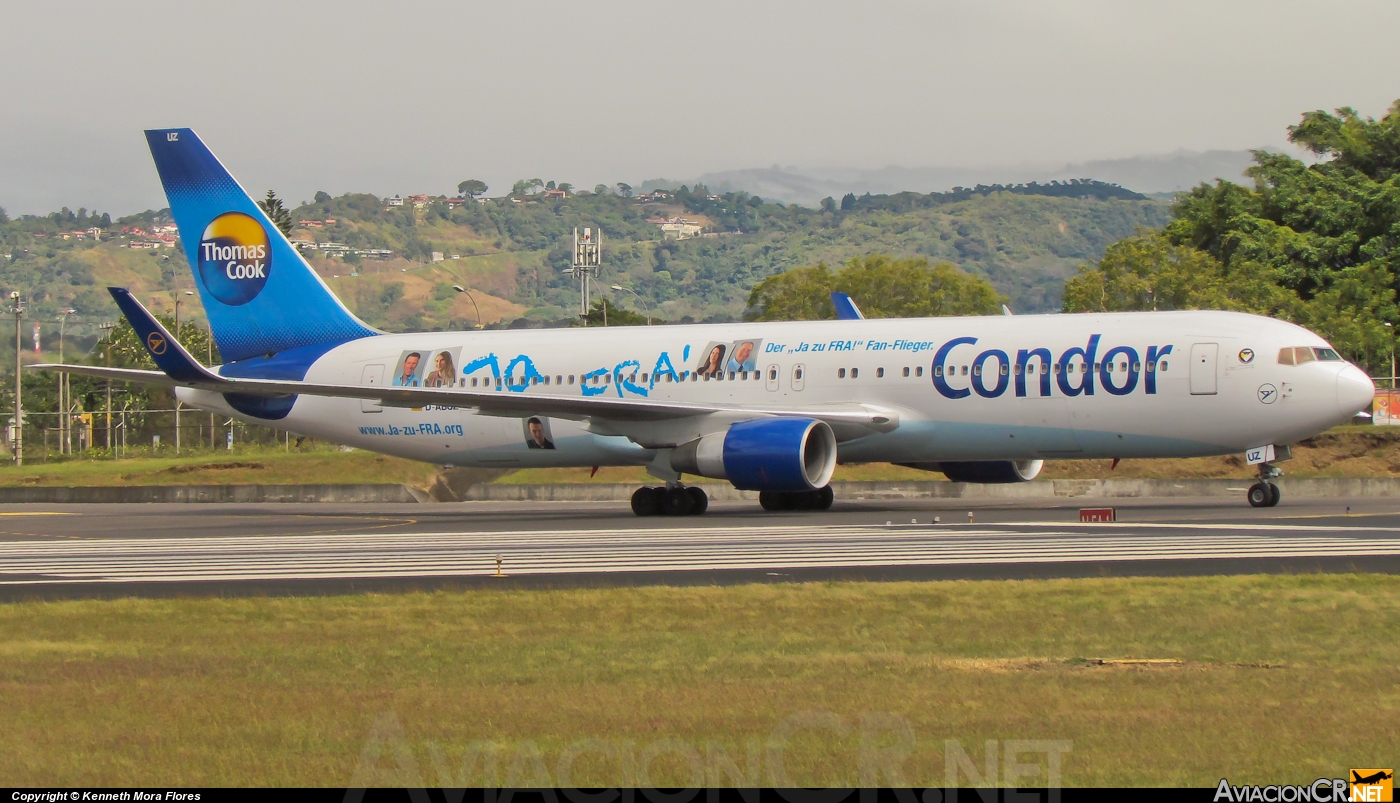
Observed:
{"x":1259,"y":495}
{"x":645,"y":502}
{"x":700,"y":498}
{"x":677,"y":502}
{"x":825,"y":496}
{"x":770,"y":500}
{"x":1274,"y":495}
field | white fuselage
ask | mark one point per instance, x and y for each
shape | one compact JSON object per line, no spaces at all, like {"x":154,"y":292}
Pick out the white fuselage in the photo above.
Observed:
{"x":1181,"y":384}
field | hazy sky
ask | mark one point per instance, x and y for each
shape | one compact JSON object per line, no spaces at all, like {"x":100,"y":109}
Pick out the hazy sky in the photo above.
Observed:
{"x":414,"y":97}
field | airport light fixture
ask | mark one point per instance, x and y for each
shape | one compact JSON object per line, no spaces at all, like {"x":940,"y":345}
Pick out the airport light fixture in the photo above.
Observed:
{"x":17,"y":442}
{"x":639,"y":298}
{"x":459,"y":288}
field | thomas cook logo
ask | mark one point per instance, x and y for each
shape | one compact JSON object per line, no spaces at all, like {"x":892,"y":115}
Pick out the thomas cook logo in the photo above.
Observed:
{"x":235,"y":258}
{"x":1373,"y":785}
{"x":156,"y":343}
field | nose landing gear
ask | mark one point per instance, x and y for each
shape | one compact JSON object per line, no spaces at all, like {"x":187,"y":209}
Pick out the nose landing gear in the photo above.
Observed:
{"x":671,"y":500}
{"x":1265,"y":493}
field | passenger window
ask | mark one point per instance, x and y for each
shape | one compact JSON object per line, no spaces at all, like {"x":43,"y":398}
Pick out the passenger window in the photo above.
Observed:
{"x":744,"y":376}
{"x":919,"y":371}
{"x":906,"y":372}
{"x":1003,"y":369}
{"x":855,"y":372}
{"x":840,"y":373}
{"x":798,"y":373}
{"x":1030,"y":368}
{"x":772,"y":373}
{"x":1162,"y":366}
{"x":964,"y":370}
{"x":879,"y":373}
{"x":976,"y":370}
{"x":938,"y":370}
{"x":1137,"y":366}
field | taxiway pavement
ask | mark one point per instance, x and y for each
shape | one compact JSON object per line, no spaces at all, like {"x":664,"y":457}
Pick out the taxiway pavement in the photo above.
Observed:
{"x":116,"y":550}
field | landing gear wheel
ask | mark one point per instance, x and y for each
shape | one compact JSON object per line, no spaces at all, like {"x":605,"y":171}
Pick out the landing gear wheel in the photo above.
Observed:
{"x":772,"y":500}
{"x":647,"y":501}
{"x":1274,"y":495}
{"x":677,"y":501}
{"x":1259,"y":495}
{"x":825,"y":496}
{"x":700,"y":499}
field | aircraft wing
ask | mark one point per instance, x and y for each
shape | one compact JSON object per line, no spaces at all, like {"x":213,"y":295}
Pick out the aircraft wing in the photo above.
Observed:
{"x":180,"y":369}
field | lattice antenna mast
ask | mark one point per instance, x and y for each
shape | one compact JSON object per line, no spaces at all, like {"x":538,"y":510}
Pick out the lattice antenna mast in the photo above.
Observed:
{"x":587,"y":261}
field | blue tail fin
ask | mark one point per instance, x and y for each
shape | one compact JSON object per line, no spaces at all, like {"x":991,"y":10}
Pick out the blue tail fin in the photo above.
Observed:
{"x":846,"y":309}
{"x":260,"y":295}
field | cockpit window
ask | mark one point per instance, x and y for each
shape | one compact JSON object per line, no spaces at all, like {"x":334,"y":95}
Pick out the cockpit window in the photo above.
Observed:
{"x":1302,"y":354}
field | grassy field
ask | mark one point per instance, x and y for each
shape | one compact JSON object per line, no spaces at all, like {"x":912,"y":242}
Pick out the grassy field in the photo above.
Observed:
{"x":1274,"y":679}
{"x":243,"y":465}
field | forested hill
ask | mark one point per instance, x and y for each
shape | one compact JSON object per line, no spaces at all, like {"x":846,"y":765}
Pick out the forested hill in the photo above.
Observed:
{"x":1026,"y":239}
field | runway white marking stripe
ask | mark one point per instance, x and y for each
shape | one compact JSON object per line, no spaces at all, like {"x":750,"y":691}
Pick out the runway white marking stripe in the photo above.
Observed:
{"x":370,"y":555}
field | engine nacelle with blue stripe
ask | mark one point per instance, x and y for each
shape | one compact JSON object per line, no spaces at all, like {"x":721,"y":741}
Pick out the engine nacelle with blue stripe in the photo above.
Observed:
{"x":764,"y":454}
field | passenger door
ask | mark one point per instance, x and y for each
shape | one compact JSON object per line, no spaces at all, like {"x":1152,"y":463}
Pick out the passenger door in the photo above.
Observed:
{"x":798,"y":373}
{"x":772,"y":377}
{"x":1203,"y":357}
{"x":373,"y":375}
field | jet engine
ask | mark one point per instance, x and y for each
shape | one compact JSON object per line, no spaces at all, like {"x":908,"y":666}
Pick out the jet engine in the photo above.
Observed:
{"x":764,"y":454}
{"x":984,"y":471}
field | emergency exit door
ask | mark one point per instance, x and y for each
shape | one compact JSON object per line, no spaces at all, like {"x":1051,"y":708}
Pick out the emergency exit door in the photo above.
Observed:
{"x":1203,"y":357}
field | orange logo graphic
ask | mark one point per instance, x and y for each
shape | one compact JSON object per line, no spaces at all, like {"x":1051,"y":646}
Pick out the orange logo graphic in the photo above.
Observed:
{"x":1372,"y":786}
{"x":155,"y":342}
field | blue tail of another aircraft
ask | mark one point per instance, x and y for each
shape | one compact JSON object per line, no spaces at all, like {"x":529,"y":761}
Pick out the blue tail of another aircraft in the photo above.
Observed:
{"x":260,"y":295}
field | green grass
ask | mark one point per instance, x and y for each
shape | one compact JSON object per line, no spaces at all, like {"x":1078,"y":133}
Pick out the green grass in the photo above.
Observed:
{"x":243,"y":465}
{"x":1283,"y":679}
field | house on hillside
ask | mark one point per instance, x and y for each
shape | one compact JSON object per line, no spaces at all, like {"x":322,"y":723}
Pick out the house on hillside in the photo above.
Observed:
{"x":677,"y":227}
{"x":419,"y":201}
{"x":556,"y":194}
{"x":395,"y":201}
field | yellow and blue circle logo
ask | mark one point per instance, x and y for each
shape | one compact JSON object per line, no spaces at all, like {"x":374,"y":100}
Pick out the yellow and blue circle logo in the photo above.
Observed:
{"x":235,"y":258}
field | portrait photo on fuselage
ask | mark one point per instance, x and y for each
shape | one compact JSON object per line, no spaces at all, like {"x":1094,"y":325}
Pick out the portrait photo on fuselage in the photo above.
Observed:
{"x":409,"y":372}
{"x":743,"y":355}
{"x":712,"y":360}
{"x":537,"y":434}
{"x":442,"y":371}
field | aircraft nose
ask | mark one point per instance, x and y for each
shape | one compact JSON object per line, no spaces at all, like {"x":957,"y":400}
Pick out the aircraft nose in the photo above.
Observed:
{"x":1355,"y":390}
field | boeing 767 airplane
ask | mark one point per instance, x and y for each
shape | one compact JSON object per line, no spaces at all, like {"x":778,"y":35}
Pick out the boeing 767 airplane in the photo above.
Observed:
{"x":770,"y":407}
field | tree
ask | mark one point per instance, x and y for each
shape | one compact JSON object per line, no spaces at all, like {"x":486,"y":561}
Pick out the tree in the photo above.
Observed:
{"x":601,"y":189}
{"x":535,"y":185}
{"x":603,"y":310}
{"x":471,"y":188}
{"x":624,"y":189}
{"x":549,"y":185}
{"x":883,"y":287}
{"x":521,"y":187}
{"x":1315,"y":244}
{"x":848,"y":202}
{"x":828,"y":204}
{"x":277,"y":213}
{"x":566,"y":186}
{"x":321,"y":197}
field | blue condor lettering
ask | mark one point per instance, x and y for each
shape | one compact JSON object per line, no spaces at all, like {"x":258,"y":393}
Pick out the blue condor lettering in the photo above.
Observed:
{"x":1086,"y":382}
{"x":1119,"y":372}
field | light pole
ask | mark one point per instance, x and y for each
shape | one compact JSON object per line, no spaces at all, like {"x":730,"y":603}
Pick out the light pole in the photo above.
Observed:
{"x":17,"y":308}
{"x":1392,"y":353}
{"x":639,"y":298}
{"x":177,"y":390}
{"x":65,"y":441}
{"x":459,"y":288}
{"x":107,"y":327}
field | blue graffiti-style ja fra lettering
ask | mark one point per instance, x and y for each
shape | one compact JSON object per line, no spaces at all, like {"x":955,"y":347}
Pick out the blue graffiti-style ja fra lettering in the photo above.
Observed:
{"x":1118,"y":372}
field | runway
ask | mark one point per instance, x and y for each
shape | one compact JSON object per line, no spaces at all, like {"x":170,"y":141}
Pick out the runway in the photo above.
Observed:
{"x":109,"y":550}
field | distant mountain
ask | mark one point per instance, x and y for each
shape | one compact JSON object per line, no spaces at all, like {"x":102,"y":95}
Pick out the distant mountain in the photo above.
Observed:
{"x":1165,"y":173}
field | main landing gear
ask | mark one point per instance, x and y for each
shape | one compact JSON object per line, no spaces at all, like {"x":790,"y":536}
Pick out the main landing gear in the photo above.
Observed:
{"x":670,"y":500}
{"x":819,"y":499}
{"x":1265,"y":493}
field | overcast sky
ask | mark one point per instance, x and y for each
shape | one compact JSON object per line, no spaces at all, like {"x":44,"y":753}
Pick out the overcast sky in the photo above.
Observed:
{"x":415,"y":97}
